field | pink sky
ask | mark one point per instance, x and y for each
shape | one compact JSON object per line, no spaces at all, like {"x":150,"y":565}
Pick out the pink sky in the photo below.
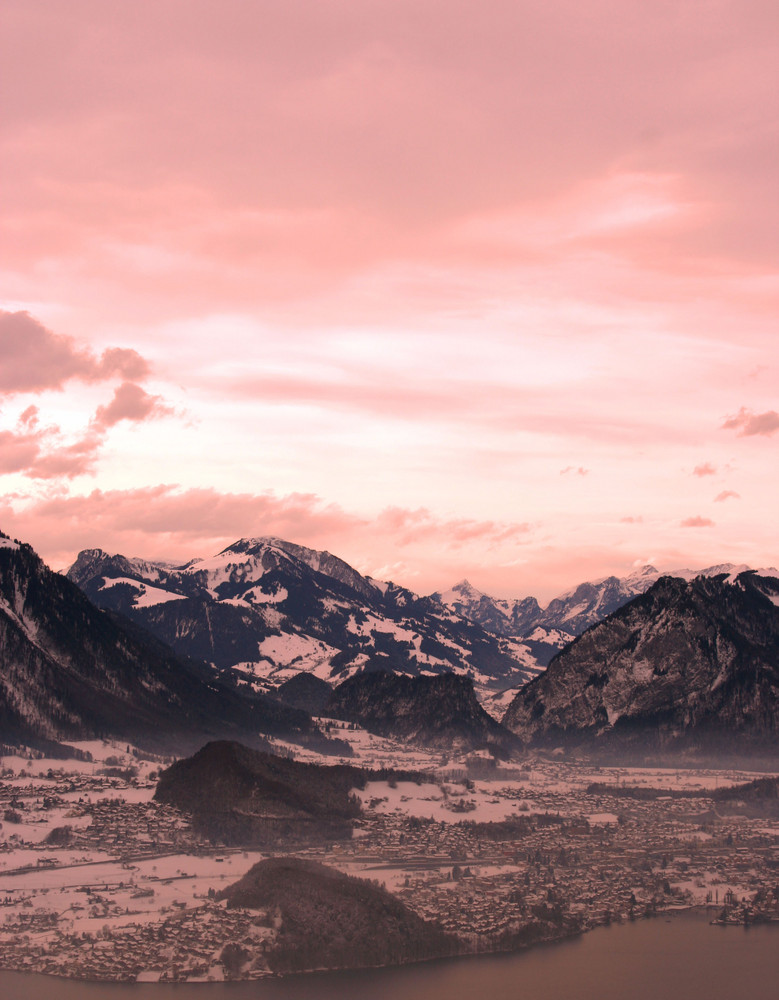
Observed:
{"x":449,"y":289}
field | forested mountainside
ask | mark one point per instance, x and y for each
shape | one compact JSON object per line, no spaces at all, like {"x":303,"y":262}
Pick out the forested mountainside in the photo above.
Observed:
{"x":71,"y":671}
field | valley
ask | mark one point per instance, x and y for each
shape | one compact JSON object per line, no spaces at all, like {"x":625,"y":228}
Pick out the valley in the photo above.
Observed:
{"x":174,"y":817}
{"x":99,"y":880}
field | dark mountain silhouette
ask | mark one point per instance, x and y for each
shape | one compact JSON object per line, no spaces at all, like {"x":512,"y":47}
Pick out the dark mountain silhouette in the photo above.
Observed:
{"x":432,"y":711}
{"x":244,"y":796}
{"x":688,"y":663}
{"x":71,"y":671}
{"x":304,"y":691}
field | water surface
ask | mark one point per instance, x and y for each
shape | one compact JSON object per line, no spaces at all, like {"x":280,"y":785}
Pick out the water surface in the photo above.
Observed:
{"x":680,"y":958}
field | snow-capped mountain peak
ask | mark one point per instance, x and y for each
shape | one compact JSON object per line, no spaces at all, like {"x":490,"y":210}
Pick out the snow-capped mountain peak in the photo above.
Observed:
{"x":546,"y":630}
{"x":267,"y":608}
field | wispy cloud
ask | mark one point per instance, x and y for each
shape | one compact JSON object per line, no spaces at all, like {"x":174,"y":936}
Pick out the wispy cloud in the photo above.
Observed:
{"x":407,"y":527}
{"x":697,"y":522}
{"x":36,"y":360}
{"x":749,"y":424}
{"x":43,"y":452}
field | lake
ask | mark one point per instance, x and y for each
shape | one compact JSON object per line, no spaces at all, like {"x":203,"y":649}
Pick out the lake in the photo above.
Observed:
{"x":680,"y":958}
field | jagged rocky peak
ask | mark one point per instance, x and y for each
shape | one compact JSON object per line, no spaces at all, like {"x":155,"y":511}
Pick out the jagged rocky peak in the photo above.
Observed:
{"x":88,"y":561}
{"x":648,"y":570}
{"x":464,"y":590}
{"x":91,"y":562}
{"x":502,"y":617}
{"x":688,"y":661}
{"x":572,"y":612}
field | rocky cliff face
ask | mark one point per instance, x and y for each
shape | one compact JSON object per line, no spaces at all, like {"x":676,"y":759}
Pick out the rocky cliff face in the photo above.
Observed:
{"x":432,"y":711}
{"x":503,"y":617}
{"x":68,"y":670}
{"x":687,"y":662}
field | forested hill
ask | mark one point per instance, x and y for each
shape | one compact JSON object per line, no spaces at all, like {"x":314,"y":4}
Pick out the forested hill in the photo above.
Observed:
{"x":329,"y":920}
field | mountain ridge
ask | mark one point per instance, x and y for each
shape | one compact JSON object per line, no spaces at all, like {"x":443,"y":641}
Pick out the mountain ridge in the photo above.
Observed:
{"x":266,"y":608}
{"x":685,"y":662}
{"x":70,"y":670}
{"x":545,"y":630}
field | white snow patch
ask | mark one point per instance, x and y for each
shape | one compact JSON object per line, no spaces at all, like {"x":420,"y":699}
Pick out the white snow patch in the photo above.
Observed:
{"x":642,"y":672}
{"x":257,"y":596}
{"x":147,"y":594}
{"x":304,"y":651}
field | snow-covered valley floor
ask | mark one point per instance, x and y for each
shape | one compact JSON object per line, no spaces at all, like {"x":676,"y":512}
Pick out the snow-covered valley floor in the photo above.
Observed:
{"x":99,"y":880}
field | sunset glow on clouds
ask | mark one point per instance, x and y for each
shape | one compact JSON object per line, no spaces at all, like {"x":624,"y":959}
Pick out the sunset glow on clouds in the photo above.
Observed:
{"x":449,"y":289}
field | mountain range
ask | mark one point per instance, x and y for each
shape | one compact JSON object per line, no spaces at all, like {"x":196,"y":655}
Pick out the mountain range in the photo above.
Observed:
{"x":686,"y":660}
{"x":544,"y":631}
{"x":267,"y":609}
{"x":689,"y":663}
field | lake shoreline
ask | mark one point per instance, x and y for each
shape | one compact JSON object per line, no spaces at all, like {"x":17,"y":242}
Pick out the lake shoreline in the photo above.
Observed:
{"x":547,"y":941}
{"x":639,"y":958}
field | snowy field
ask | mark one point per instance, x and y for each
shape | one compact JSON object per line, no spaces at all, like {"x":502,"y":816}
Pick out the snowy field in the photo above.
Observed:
{"x":148,"y":866}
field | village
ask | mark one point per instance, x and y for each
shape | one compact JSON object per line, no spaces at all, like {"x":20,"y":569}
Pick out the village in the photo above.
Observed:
{"x":99,"y":881}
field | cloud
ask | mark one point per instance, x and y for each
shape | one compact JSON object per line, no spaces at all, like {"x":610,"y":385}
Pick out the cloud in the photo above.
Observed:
{"x":133,"y":403}
{"x":706,"y":469}
{"x":168,"y":522}
{"x":17,"y":451}
{"x":35,"y":359}
{"x":580,"y":471}
{"x":726,"y":495}
{"x":67,"y":461}
{"x":408,"y":527}
{"x":631,"y":520}
{"x":29,"y":418}
{"x":697,"y":522}
{"x":749,"y":424}
{"x":41,"y":453}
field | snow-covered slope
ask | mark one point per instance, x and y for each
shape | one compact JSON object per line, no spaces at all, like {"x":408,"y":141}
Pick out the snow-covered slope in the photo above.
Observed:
{"x":267,"y":608}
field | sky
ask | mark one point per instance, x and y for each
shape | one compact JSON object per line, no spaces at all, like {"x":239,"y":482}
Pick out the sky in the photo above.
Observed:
{"x":448,"y":289}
